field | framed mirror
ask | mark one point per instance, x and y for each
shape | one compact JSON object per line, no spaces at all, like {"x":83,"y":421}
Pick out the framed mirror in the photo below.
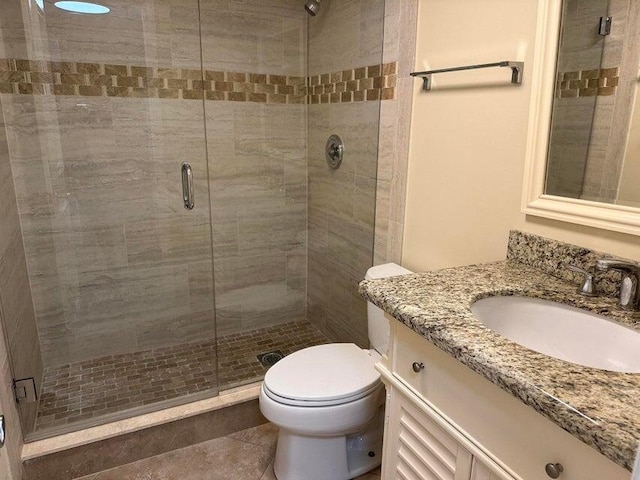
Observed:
{"x":583,"y":153}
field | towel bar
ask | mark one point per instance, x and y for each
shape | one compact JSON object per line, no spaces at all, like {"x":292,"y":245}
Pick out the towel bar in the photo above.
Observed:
{"x":516,"y":72}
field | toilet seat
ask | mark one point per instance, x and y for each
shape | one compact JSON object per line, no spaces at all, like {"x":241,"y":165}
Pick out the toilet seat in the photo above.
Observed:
{"x":323,"y":375}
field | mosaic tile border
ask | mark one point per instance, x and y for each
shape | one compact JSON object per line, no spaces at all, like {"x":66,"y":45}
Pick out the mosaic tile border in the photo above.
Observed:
{"x":587,"y":83}
{"x":375,"y":82}
{"x":25,"y":77}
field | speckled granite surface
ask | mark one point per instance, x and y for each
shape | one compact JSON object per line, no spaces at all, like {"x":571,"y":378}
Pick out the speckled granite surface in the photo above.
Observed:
{"x":599,"y":407}
{"x":552,"y":256}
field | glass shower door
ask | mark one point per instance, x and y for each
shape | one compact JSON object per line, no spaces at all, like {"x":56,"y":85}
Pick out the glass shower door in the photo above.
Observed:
{"x":103,"y":110}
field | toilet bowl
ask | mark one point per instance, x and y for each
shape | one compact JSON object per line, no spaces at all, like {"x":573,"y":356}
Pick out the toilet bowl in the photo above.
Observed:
{"x":328,"y":402}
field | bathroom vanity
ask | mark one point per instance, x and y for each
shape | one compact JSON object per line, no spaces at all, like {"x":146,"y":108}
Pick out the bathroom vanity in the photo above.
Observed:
{"x":466,"y":403}
{"x":448,"y":420}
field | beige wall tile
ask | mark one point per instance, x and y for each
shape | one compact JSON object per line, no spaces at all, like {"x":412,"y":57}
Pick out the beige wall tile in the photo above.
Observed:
{"x":10,"y":463}
{"x":346,"y":35}
{"x":395,"y":122}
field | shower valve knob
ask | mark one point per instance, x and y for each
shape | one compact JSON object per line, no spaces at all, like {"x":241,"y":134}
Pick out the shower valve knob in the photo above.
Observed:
{"x":417,"y":367}
{"x":553,"y":470}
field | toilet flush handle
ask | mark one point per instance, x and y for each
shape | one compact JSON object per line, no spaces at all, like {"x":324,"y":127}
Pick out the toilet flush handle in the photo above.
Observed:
{"x":417,"y":367}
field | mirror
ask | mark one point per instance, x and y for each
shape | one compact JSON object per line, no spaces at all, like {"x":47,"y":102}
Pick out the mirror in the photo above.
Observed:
{"x":584,"y":144}
{"x":593,"y":145}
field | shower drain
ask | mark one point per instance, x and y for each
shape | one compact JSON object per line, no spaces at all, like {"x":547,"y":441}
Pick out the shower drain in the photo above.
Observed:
{"x":269,"y":359}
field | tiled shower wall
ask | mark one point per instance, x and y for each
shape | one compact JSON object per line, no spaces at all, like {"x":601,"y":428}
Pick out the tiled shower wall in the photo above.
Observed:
{"x":99,"y":123}
{"x":344,"y":35}
{"x":596,"y":83}
{"x":16,"y":306}
{"x":257,"y":165}
{"x":19,"y":346}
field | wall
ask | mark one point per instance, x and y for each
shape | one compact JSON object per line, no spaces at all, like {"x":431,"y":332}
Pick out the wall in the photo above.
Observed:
{"x":258,"y":162}
{"x":345,"y":56}
{"x":10,"y":463}
{"x":400,"y":24}
{"x":17,"y":322}
{"x":16,"y":306}
{"x":468,"y":141}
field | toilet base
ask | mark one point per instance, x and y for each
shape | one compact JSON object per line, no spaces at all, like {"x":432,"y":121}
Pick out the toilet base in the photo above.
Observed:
{"x":329,"y":458}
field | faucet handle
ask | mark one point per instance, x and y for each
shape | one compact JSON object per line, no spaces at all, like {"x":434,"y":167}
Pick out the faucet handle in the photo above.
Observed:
{"x":587,"y":287}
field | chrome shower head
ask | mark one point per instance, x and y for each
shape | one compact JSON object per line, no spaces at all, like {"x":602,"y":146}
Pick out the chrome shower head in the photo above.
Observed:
{"x":312,"y":7}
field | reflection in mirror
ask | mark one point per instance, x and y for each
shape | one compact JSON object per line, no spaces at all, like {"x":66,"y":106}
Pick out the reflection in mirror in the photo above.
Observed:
{"x":594,"y":143}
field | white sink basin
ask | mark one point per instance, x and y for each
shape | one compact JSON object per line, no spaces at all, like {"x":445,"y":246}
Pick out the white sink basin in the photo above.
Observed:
{"x":562,"y":332}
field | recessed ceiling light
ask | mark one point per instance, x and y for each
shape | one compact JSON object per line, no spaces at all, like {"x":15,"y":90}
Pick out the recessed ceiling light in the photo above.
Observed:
{"x":82,"y":7}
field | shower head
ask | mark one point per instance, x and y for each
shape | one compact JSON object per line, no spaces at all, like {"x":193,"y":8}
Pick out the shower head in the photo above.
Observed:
{"x":312,"y":7}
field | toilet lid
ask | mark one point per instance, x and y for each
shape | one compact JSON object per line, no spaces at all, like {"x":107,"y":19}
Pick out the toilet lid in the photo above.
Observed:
{"x":325,"y":374}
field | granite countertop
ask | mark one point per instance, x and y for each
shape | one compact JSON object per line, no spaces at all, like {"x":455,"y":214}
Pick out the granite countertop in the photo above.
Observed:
{"x":599,"y":407}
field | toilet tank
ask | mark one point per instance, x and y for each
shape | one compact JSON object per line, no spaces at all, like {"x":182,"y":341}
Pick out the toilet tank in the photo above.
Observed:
{"x":378,"y":325}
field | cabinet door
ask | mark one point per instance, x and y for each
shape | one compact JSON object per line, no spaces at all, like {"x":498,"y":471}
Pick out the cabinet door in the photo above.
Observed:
{"x":418,"y":449}
{"x":481,"y":471}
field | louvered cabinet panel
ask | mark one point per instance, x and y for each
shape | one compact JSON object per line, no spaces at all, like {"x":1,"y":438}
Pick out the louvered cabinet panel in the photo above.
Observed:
{"x":423,"y":450}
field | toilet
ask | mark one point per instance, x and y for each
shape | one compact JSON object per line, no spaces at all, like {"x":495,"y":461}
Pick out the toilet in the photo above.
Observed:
{"x":328,"y":402}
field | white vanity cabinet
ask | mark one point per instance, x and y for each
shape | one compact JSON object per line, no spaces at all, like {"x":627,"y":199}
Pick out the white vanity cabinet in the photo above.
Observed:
{"x":420,"y":447}
{"x":445,"y":422}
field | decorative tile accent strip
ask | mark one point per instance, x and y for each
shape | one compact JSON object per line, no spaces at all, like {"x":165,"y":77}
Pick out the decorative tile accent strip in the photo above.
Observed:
{"x":107,"y":80}
{"x":587,"y":83}
{"x":375,"y":82}
{"x":27,"y":77}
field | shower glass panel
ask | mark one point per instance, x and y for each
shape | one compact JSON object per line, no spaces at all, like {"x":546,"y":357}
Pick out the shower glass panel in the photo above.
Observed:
{"x":255,"y":54}
{"x":101,"y":110}
{"x":291,"y":237}
{"x":351,"y":88}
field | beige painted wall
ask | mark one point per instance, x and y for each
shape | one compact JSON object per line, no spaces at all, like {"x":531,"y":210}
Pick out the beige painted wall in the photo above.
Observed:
{"x":468,"y":140}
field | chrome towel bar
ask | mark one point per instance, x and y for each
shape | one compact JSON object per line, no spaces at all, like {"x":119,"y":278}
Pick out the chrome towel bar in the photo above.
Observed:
{"x":516,"y":72}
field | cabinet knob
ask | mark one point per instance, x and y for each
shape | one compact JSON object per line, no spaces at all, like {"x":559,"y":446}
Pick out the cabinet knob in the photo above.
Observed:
{"x":553,"y":469}
{"x":417,"y":366}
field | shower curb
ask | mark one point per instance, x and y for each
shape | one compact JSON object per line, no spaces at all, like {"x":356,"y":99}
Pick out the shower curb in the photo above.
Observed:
{"x":94,"y":457}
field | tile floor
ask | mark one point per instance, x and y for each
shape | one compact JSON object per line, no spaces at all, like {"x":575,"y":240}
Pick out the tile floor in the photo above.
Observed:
{"x":94,"y":388}
{"x":246,"y":455}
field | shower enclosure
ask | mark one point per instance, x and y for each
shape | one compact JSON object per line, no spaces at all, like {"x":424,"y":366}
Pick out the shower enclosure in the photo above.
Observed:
{"x":124,"y":300}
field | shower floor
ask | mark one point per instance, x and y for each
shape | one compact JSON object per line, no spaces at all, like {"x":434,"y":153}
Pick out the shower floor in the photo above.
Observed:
{"x":91,"y":389}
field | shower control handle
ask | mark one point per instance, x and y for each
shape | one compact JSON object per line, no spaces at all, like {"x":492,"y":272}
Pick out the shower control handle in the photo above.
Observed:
{"x":554,"y":470}
{"x":187,"y":186}
{"x":417,"y":366}
{"x":334,"y":151}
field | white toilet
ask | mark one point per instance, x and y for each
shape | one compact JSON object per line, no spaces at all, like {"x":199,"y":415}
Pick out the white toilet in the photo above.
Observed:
{"x":328,"y":402}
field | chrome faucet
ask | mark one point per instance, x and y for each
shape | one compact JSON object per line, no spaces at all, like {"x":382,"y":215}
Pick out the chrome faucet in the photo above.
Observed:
{"x":629,"y":290}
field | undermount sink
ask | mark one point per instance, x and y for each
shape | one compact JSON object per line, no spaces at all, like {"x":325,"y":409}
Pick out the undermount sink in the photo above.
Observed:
{"x":561,"y":331}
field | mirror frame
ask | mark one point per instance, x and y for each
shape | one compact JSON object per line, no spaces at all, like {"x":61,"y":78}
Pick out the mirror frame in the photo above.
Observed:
{"x":617,"y":218}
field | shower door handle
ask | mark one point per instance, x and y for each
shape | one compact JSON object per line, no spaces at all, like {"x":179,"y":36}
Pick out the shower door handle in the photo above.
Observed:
{"x":187,"y":186}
